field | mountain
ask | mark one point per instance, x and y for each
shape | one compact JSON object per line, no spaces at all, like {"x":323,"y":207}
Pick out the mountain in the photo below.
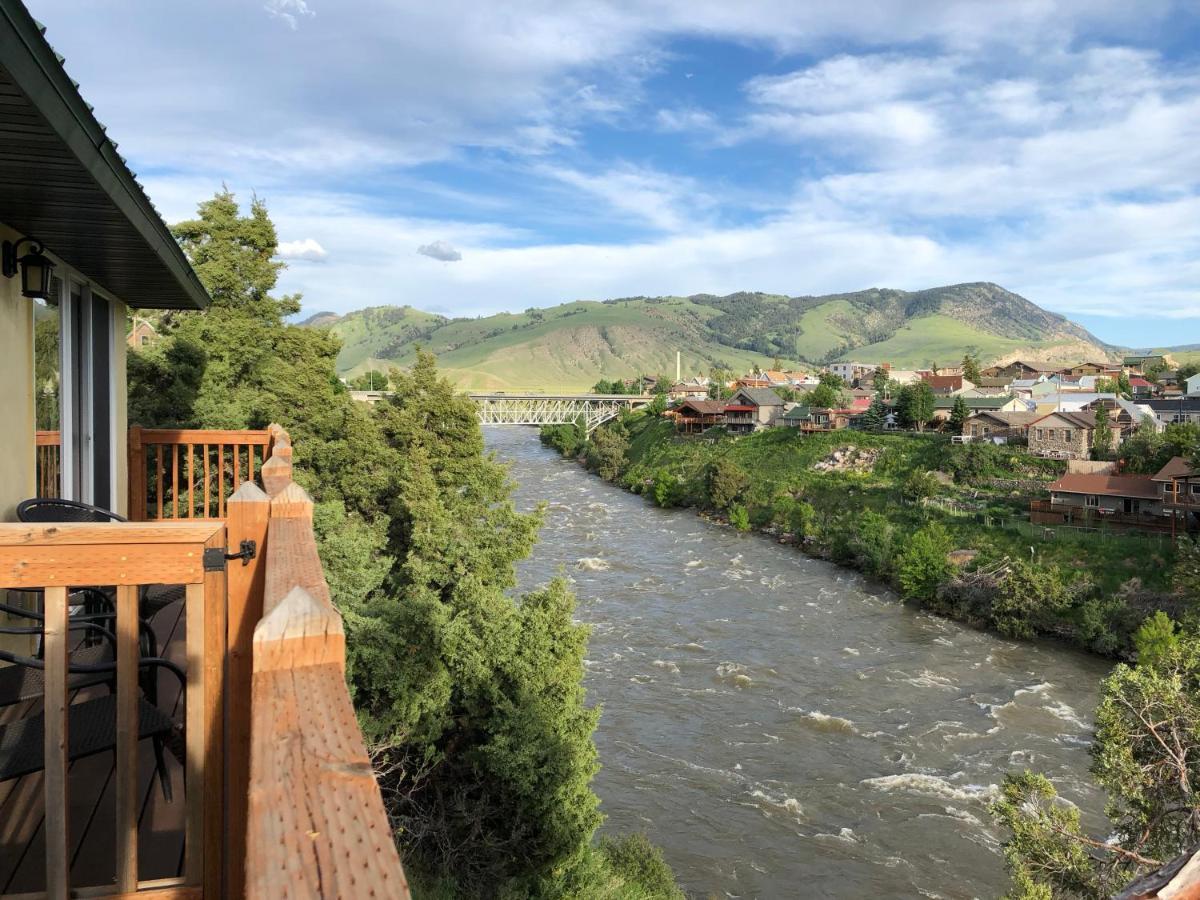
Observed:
{"x":570,"y":346}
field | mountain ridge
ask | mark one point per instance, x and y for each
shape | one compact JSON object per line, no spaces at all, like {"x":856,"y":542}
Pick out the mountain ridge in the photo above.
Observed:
{"x":571,"y":345}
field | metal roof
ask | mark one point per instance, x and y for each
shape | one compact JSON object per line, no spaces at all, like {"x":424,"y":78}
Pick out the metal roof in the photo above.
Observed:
{"x":63,"y":182}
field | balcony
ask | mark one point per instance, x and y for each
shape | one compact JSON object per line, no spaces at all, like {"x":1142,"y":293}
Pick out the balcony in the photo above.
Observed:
{"x":233,"y":767}
{"x":1046,"y":512}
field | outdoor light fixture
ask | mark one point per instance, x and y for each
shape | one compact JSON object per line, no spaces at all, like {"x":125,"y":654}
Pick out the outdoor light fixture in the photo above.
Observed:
{"x":35,"y":268}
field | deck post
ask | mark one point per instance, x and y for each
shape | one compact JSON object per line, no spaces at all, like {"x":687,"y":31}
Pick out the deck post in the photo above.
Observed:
{"x":248,"y":512}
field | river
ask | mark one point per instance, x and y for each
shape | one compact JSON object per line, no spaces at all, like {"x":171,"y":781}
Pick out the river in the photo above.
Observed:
{"x":782,"y":727}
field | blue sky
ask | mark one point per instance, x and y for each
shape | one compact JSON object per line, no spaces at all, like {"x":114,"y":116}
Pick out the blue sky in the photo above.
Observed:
{"x":468,"y":157}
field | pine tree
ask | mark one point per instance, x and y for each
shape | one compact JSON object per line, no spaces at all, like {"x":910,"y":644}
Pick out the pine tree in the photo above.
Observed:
{"x":1102,"y":435}
{"x":959,"y":415}
{"x":970,"y":367}
{"x":873,"y":419}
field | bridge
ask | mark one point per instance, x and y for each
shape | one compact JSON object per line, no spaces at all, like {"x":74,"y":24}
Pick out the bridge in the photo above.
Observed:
{"x":532,"y":408}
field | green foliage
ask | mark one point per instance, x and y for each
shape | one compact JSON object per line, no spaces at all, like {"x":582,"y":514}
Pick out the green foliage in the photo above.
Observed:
{"x":1146,"y":755}
{"x":658,"y":405}
{"x":739,"y":518}
{"x":1185,"y":575}
{"x":371,"y":380}
{"x":726,"y":482}
{"x":1155,"y":639}
{"x":918,"y":484}
{"x":1102,"y":435}
{"x":880,"y":381}
{"x":873,"y":418}
{"x":959,"y":415}
{"x":970,"y":367}
{"x":797,"y":517}
{"x":924,"y":565}
{"x":569,"y":440}
{"x":641,"y":867}
{"x":915,"y":405}
{"x":606,"y":452}
{"x":827,"y":396}
{"x":1030,"y":599}
{"x":874,"y":544}
{"x":665,"y":488}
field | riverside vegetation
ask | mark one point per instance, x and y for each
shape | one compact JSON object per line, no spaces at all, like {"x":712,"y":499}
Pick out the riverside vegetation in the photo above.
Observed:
{"x":471,"y":699}
{"x":871,"y":511}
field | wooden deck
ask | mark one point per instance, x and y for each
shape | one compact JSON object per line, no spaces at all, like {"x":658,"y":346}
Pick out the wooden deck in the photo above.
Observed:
{"x":92,"y":813}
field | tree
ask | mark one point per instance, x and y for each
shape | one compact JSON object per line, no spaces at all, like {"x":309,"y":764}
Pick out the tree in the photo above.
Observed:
{"x":873,"y":419}
{"x":1155,"y":639}
{"x":1146,"y":755}
{"x":1102,"y":435}
{"x":720,"y":376}
{"x":830,"y":393}
{"x":1187,"y":370}
{"x":915,"y":404}
{"x":880,"y":381}
{"x":970,"y":367}
{"x":959,"y":415}
{"x":370,"y":380}
{"x":924,"y":564}
{"x":726,"y":482}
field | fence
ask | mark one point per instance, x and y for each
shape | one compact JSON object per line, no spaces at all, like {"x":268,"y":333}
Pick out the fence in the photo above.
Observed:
{"x":48,"y":450}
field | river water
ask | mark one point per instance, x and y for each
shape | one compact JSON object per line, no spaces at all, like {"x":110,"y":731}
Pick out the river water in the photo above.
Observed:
{"x":782,"y":727}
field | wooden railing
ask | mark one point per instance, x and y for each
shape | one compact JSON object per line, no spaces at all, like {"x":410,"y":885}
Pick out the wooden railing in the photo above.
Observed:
{"x":1046,"y":512}
{"x":316,"y":825}
{"x":189,"y":473}
{"x":124,"y":558}
{"x":48,"y":447}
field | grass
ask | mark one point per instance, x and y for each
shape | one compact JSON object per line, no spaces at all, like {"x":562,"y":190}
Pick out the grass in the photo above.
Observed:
{"x":939,"y":339}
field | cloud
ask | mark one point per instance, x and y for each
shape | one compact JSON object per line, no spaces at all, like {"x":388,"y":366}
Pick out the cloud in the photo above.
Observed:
{"x":307,"y":249}
{"x":289,"y":11}
{"x":440,"y":250}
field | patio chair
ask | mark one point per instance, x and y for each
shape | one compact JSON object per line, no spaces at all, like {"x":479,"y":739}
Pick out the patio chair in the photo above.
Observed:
{"x":21,"y":683}
{"x":154,"y":597}
{"x":91,"y":724}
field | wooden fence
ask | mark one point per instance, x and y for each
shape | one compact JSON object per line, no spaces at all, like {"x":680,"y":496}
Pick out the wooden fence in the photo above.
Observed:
{"x":189,"y":473}
{"x":48,"y":449}
{"x":127,"y":557}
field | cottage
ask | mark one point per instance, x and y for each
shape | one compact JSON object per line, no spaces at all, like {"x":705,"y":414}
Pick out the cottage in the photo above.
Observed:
{"x":142,"y":334}
{"x":1140,"y":388}
{"x":688,"y":390}
{"x":808,"y":418}
{"x":1086,"y":368}
{"x":1179,"y":484}
{"x":1065,"y":435}
{"x":750,"y":409}
{"x":695,"y":416}
{"x":1100,"y":494}
{"x":1141,"y":363}
{"x":943,"y":407}
{"x":1192,"y":385}
{"x":948,"y":385}
{"x":999,"y":426}
{"x":1019,"y":368}
{"x":1182,"y":409}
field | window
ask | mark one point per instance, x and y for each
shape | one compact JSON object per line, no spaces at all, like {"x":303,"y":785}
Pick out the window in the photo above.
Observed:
{"x":1091,"y":500}
{"x":1040,"y":433}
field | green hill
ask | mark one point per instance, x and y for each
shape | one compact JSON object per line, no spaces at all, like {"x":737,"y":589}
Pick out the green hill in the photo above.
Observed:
{"x":568,"y":347}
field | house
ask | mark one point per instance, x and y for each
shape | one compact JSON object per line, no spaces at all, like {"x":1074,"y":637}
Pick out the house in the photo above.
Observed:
{"x":750,"y":409}
{"x":999,"y":427}
{"x":1019,"y":368}
{"x":948,"y":385}
{"x":851,"y":372}
{"x":808,"y":418}
{"x":1141,"y":363}
{"x":694,"y":416}
{"x":1085,"y":497}
{"x":943,"y":407}
{"x":142,"y":334}
{"x":1192,"y":385}
{"x":80,"y":246}
{"x":1065,"y":435}
{"x":1074,"y":401}
{"x":1087,"y":368}
{"x":1179,"y":485}
{"x":688,"y":390}
{"x":1182,"y":409}
{"x":1140,"y":388}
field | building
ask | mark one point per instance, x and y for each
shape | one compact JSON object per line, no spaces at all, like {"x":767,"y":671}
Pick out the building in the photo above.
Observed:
{"x":1182,"y":409}
{"x":1019,"y":368}
{"x":999,"y":427}
{"x":807,"y":418}
{"x":1101,"y":494}
{"x":1065,"y":435}
{"x":750,"y":409}
{"x":142,"y":334}
{"x":1140,"y":388}
{"x":1142,"y":362}
{"x":851,"y":372}
{"x":1192,"y":385}
{"x":688,"y":390}
{"x":265,"y":656}
{"x":1179,"y":484}
{"x":943,"y":407}
{"x":694,"y":416}
{"x":948,"y":385}
{"x":1087,"y":368}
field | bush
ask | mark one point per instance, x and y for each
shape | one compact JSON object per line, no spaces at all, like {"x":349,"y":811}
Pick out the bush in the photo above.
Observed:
{"x":794,"y":516}
{"x":569,"y":440}
{"x":1155,"y":639}
{"x":606,"y":452}
{"x":1030,"y":599}
{"x":739,"y":518}
{"x":918,"y":485}
{"x":874,"y":544}
{"x":924,"y":565}
{"x":726,"y":482}
{"x":640,"y":865}
{"x":666,"y":488}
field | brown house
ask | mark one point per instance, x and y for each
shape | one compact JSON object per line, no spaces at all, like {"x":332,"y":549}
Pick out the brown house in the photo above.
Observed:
{"x":1019,"y":368}
{"x":695,"y":416}
{"x":947,"y":385}
{"x":1106,"y":494}
{"x":1087,"y":368}
{"x":750,"y":409}
{"x":998,"y":427}
{"x":1179,"y":487}
{"x":1065,"y":435}
{"x":141,"y":335}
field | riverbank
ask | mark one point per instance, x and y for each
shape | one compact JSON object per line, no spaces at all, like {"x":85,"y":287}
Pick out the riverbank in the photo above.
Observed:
{"x":942,"y":524}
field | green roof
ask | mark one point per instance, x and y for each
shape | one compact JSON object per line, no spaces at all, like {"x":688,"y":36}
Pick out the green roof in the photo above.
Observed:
{"x":972,"y":402}
{"x":798,"y":412}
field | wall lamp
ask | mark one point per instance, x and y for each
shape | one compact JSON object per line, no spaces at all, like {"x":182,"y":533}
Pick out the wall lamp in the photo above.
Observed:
{"x":35,"y":268}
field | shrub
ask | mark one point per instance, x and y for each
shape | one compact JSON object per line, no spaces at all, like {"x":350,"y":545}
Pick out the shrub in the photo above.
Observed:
{"x":797,"y":517}
{"x":606,"y":452}
{"x":739,"y":518}
{"x":726,"y":481}
{"x":1029,"y":600}
{"x":873,"y":544}
{"x":918,"y":485}
{"x":1155,"y":639}
{"x":640,"y":865}
{"x":666,"y":488}
{"x":924,"y":564}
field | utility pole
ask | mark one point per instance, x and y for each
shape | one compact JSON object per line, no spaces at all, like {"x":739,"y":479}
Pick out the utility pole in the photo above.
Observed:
{"x":678,"y":367}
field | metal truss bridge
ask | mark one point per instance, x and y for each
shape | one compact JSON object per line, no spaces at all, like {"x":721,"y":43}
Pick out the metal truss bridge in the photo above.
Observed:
{"x":505,"y":408}
{"x":592,"y":410}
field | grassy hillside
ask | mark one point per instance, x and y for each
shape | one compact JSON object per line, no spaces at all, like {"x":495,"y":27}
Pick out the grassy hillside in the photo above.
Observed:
{"x":568,"y":347}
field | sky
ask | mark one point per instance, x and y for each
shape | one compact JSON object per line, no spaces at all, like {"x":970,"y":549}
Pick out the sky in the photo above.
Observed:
{"x":473,"y":157}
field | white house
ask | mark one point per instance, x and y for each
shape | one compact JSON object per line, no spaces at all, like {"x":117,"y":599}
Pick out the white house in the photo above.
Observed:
{"x":1193,"y":386}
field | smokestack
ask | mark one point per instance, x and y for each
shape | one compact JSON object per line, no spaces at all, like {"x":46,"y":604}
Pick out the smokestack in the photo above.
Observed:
{"x":678,"y":367}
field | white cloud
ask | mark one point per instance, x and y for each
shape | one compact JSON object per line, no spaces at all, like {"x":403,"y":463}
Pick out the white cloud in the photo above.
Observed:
{"x":289,"y":11}
{"x":440,"y":250}
{"x":307,"y":249}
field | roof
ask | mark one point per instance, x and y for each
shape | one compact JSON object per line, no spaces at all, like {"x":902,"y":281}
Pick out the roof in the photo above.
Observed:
{"x":1138,"y":381}
{"x":1184,"y":404}
{"x":797,"y":412}
{"x":1177,"y":467}
{"x":1011,"y":419}
{"x":947,"y":382}
{"x":972,"y":402}
{"x":1035,"y":366}
{"x":66,"y":185}
{"x":760,"y":396}
{"x":704,"y":407}
{"x":1079,"y":420}
{"x":733,"y":407}
{"x":1140,"y":486}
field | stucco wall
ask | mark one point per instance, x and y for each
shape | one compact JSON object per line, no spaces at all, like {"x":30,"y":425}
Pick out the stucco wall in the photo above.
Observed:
{"x":17,"y":467}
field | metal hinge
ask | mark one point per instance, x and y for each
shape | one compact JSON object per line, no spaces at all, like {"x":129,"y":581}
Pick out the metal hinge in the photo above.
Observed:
{"x":215,"y":557}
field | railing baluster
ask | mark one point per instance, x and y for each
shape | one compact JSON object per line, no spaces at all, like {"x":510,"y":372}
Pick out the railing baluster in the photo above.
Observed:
{"x":127,"y":737}
{"x":174,"y":481}
{"x":55,"y":637}
{"x":193,"y":848}
{"x":237,"y":467}
{"x":207,"y":475}
{"x":221,"y":481}
{"x":158,"y":478}
{"x":191,"y":482}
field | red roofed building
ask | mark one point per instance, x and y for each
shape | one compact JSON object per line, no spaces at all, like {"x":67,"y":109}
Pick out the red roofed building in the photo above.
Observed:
{"x":947,"y":385}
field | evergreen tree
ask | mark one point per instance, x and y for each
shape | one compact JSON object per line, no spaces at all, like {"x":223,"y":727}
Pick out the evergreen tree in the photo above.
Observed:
{"x":959,"y":415}
{"x":1102,"y":435}
{"x":970,"y":367}
{"x":873,"y":419}
{"x":915,"y":404}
